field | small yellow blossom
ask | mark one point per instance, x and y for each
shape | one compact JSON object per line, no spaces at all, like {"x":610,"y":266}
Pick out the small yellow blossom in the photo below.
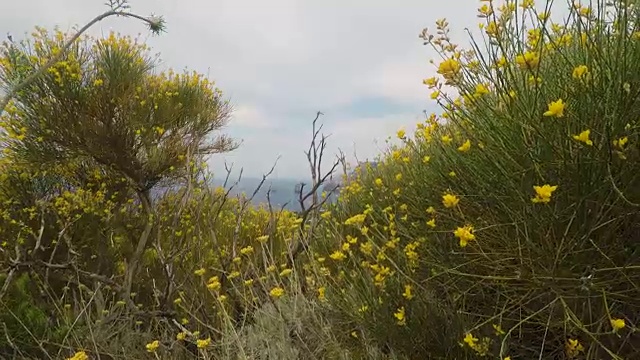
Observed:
{"x":573,"y":347}
{"x":200,"y":272}
{"x":449,"y":68}
{"x":181,"y":336}
{"x":400,"y":316}
{"x":528,"y":60}
{"x":485,"y":10}
{"x":203,"y":343}
{"x":407,"y":292}
{"x":153,"y":346}
{"x":620,"y":143}
{"x":246,"y":250}
{"x":286,"y":272}
{"x":580,"y":71}
{"x":543,"y":193}
{"x":80,"y":355}
{"x":322,"y":293}
{"x":426,"y":159}
{"x":450,"y":200}
{"x":337,"y":255}
{"x":431,"y":82}
{"x":276,"y":292}
{"x":447,"y":139}
{"x":556,"y":108}
{"x":617,"y":324}
{"x":465,"y":234}
{"x":465,"y":147}
{"x":584,"y":137}
{"x":401,"y":134}
{"x":431,"y":223}
{"x":470,"y":340}
{"x":480,"y":90}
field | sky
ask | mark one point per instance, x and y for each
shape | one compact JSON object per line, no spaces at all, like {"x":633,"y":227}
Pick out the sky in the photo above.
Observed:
{"x":359,"y":62}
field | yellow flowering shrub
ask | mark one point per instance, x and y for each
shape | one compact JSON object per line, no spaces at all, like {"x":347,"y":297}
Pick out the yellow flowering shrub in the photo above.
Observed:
{"x":516,"y":205}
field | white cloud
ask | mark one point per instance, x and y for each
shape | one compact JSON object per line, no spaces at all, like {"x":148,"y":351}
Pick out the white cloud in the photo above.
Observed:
{"x":247,"y":116}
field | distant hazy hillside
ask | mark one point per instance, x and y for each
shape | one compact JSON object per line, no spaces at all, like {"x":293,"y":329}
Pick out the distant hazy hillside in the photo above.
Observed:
{"x":283,"y":191}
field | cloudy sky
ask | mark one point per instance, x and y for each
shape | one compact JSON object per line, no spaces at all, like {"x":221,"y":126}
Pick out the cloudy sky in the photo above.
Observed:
{"x":279,"y":62}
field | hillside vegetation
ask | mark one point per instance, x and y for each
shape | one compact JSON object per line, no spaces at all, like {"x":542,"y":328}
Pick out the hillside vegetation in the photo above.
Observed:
{"x":505,"y":227}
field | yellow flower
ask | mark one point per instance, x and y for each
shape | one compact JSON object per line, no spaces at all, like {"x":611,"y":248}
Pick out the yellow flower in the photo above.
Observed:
{"x":447,"y":139}
{"x":378,"y":182}
{"x":200,"y":272}
{"x":203,"y":343}
{"x":470,"y":340}
{"x":465,"y":234}
{"x":246,"y":250}
{"x":153,"y":346}
{"x":286,"y":272}
{"x":80,"y":355}
{"x":617,"y":324}
{"x":465,"y":147}
{"x":580,"y":71}
{"x":543,"y":193}
{"x":573,"y":347}
{"x":527,"y":4}
{"x":432,"y":81}
{"x":355,"y":220}
{"x":337,"y":255}
{"x":584,"y":137}
{"x":431,"y":223}
{"x":322,"y":293}
{"x":400,"y":316}
{"x":528,"y":60}
{"x":556,"y":108}
{"x":401,"y":134}
{"x":276,"y":292}
{"x":426,"y":159}
{"x":262,"y":239}
{"x":480,"y":90}
{"x":492,"y":29}
{"x":213,"y":283}
{"x":450,"y":200}
{"x":620,"y":143}
{"x":543,"y":16}
{"x":449,"y":68}
{"x":181,"y":336}
{"x":485,"y":10}
{"x":407,"y":292}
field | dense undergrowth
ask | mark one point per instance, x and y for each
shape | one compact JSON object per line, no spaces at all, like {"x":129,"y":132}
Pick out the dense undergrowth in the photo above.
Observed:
{"x":505,"y":227}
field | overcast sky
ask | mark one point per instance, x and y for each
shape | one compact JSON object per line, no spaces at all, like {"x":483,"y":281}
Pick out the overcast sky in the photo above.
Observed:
{"x":359,"y":62}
